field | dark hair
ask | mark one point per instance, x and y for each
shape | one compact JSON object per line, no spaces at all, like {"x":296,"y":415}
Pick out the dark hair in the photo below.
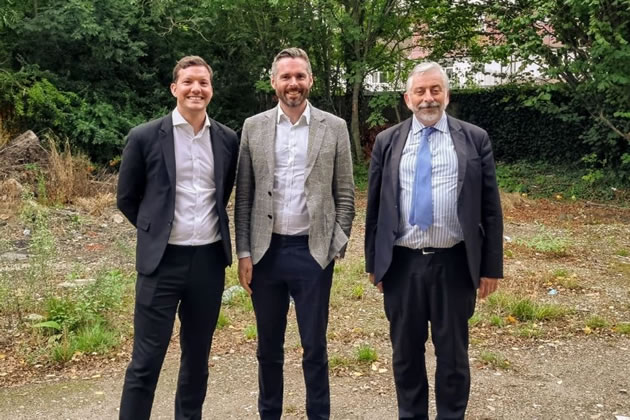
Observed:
{"x":190,"y":61}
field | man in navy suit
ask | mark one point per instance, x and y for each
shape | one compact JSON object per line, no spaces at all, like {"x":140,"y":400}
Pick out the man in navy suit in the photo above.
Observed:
{"x":176,"y":176}
{"x":433,"y":236}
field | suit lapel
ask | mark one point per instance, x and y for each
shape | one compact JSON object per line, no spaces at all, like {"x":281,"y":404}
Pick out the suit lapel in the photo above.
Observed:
{"x":167,"y":141}
{"x":459,"y":142}
{"x":315,"y":139}
{"x":218,"y":151}
{"x":399,"y":139}
{"x":269,"y":138}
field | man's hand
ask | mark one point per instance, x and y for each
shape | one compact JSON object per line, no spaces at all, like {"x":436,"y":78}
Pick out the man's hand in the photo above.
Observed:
{"x":379,"y":286}
{"x":245,"y":268}
{"x":487,"y":286}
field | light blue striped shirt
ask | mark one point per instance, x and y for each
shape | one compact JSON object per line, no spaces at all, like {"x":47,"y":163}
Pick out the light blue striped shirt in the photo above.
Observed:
{"x":445,"y":230}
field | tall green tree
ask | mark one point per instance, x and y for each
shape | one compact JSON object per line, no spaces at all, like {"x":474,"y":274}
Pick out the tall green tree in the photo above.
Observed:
{"x":582,"y":48}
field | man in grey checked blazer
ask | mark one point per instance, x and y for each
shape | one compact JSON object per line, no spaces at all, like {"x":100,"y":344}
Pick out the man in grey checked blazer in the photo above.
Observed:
{"x":293,"y":215}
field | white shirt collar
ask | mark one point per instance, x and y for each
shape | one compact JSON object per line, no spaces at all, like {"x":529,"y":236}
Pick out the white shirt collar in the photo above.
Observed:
{"x":178,"y":119}
{"x":306,"y":115}
{"x":441,"y":125}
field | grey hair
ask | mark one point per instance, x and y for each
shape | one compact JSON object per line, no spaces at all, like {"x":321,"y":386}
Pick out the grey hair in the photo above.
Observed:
{"x":291,"y":53}
{"x":425,"y":67}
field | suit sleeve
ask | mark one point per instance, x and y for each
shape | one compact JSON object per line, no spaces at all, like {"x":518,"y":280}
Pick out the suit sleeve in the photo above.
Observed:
{"x":231,"y":172}
{"x":373,"y":202}
{"x":343,"y":182}
{"x":245,"y":187}
{"x":491,"y":215}
{"x":131,"y":178}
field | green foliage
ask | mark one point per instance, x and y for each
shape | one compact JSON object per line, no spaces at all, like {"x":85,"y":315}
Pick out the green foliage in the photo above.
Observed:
{"x":523,"y":309}
{"x":547,"y":243}
{"x":251,"y":332}
{"x":513,"y":124}
{"x":586,"y":46}
{"x":596,"y":322}
{"x":366,"y":354}
{"x":565,"y":181}
{"x":223,"y":321}
{"x":496,"y":360}
{"x":379,"y":103}
{"x":623,"y":328}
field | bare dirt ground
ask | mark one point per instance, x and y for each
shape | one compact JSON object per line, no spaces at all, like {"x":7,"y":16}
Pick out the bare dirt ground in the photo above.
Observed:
{"x":548,"y":369}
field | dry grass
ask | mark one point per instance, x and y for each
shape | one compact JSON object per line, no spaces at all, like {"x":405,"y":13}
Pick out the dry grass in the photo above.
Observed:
{"x":10,"y":194}
{"x":510,"y":201}
{"x":96,"y":204}
{"x":68,"y":175}
{"x":5,"y":136}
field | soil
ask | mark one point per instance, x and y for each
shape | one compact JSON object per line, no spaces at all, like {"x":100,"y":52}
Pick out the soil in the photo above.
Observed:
{"x":565,"y":370}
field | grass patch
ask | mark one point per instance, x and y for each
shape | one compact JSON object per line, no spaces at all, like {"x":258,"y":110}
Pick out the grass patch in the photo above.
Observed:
{"x":366,"y":354}
{"x":336,"y":362}
{"x":251,"y":332}
{"x":546,"y":243}
{"x":475,"y":320}
{"x":595,"y":322}
{"x":622,"y":253}
{"x":223,"y":321}
{"x":623,"y":328}
{"x":523,"y":309}
{"x":495,"y":360}
{"x":529,"y":330}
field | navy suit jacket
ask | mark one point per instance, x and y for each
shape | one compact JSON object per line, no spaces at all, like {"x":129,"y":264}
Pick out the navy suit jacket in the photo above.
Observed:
{"x":478,"y":202}
{"x":146,"y":185}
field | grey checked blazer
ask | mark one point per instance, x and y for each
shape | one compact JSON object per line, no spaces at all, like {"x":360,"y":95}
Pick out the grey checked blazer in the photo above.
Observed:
{"x":329,"y":186}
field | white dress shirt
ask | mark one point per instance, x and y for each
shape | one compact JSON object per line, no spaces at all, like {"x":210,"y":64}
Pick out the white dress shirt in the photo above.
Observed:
{"x":445,"y":230}
{"x":196,"y":219}
{"x":289,"y":198}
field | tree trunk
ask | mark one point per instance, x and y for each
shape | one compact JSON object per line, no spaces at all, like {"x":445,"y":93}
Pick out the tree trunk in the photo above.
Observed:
{"x":354,"y":124}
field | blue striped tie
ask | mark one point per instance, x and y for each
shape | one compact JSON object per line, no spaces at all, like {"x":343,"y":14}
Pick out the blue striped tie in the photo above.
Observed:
{"x":421,"y":214}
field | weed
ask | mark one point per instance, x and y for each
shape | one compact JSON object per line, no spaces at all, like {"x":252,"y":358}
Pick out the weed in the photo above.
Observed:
{"x":366,"y":354}
{"x":96,"y":338}
{"x":623,"y":252}
{"x":623,"y":328}
{"x":223,"y":321}
{"x":547,"y":243}
{"x":497,"y":321}
{"x":251,"y":332}
{"x":63,"y":351}
{"x":529,"y":330}
{"x":357,"y":292}
{"x":523,"y":309}
{"x":595,"y":322}
{"x":336,"y":361}
{"x":475,"y":320}
{"x":494,"y":359}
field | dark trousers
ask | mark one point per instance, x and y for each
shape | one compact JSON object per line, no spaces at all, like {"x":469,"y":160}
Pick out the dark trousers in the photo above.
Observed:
{"x":189,"y":281}
{"x":418,"y":289}
{"x":288,"y":269}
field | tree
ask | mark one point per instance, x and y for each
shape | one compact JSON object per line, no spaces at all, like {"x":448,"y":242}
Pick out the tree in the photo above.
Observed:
{"x":583,"y":48}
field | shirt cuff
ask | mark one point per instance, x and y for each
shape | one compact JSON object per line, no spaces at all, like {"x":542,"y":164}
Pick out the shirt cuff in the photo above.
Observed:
{"x":243,"y":254}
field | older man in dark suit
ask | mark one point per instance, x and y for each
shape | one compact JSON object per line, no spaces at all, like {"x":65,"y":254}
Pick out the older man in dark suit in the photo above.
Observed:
{"x":433,"y":235}
{"x":175,"y":179}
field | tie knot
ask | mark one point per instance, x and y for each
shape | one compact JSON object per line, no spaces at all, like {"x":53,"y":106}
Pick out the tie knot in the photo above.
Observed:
{"x":427,"y":131}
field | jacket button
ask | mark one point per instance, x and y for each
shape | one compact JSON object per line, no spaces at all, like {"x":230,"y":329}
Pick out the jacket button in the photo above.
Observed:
{"x":269,"y":216}
{"x":269,"y":192}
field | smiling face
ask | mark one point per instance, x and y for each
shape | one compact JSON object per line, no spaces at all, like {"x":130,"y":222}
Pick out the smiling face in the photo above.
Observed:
{"x":292,"y":83}
{"x":193,"y":90}
{"x":427,"y":97}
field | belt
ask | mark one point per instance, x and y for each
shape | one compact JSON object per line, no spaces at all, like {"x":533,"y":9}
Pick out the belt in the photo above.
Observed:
{"x":430,"y":250}
{"x":288,"y":240}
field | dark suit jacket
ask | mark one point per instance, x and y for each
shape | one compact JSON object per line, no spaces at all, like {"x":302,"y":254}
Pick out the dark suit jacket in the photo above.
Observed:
{"x":146,"y":185}
{"x":478,"y":203}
